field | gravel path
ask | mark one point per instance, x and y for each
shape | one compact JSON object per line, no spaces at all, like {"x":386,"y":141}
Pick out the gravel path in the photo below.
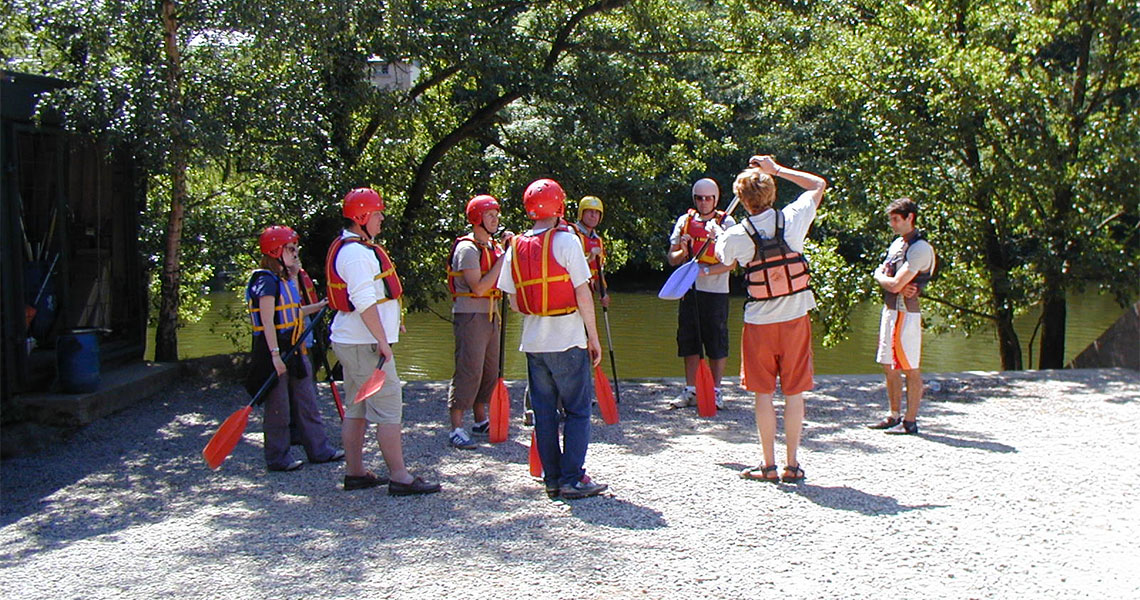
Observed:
{"x":1020,"y":486}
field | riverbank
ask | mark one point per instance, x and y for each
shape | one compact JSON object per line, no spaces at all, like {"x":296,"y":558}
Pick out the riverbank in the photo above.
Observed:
{"x":1020,"y":485}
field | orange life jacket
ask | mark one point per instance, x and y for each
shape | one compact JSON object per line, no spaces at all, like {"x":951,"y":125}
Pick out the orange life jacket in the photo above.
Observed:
{"x":308,"y":288}
{"x":700,"y":235}
{"x":487,"y":258}
{"x":542,"y":285}
{"x":591,"y":240}
{"x":775,"y":270}
{"x":337,"y":289}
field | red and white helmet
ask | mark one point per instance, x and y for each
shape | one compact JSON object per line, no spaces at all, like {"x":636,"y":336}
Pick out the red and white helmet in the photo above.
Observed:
{"x":478,"y":206}
{"x":273,"y":240}
{"x":543,"y":199}
{"x":360,"y":203}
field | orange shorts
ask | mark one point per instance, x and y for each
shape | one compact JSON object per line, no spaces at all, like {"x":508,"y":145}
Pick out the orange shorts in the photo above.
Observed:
{"x":782,"y":349}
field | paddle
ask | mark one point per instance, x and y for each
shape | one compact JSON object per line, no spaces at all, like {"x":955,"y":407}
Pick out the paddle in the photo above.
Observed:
{"x":605,"y":395}
{"x":685,"y":276}
{"x":374,"y":383}
{"x":228,"y":435}
{"x":533,"y":459}
{"x":500,"y":408}
{"x":329,"y":375}
{"x":609,"y":338}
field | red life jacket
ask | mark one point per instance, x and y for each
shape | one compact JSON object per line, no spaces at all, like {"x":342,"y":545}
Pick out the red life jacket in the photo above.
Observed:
{"x":337,"y":289}
{"x":542,"y":286}
{"x":891,"y":266}
{"x":591,"y":240}
{"x":308,"y":288}
{"x":775,"y":270}
{"x":696,"y":230}
{"x":487,"y":258}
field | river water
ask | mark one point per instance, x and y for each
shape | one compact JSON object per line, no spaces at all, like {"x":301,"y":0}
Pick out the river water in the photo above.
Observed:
{"x":644,"y":327}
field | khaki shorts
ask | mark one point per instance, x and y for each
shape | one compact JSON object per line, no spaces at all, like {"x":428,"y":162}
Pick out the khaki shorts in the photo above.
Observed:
{"x":777,"y":349}
{"x":359,"y":361}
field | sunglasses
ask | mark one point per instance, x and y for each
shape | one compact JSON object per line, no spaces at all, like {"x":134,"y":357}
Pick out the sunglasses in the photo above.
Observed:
{"x":700,"y":198}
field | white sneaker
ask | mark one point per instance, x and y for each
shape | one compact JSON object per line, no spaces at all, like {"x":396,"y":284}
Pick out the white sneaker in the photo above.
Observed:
{"x":688,"y":397}
{"x":719,"y":400}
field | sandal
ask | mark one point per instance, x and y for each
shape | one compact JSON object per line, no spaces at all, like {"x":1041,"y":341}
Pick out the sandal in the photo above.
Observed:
{"x":792,"y":474}
{"x":760,"y":473}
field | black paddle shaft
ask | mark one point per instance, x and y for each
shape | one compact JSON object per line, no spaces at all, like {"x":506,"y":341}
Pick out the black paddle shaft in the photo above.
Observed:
{"x":609,"y":338}
{"x":259,"y":397}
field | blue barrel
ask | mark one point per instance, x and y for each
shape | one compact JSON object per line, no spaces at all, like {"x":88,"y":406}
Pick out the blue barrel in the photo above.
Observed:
{"x":77,"y":360}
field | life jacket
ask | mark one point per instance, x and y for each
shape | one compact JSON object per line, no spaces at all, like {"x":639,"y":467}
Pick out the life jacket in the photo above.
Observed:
{"x":337,"y":289}
{"x":591,"y":240}
{"x":542,"y":285}
{"x":487,"y":258}
{"x":775,"y":270}
{"x":308,"y":288}
{"x":287,"y":307}
{"x":700,"y":235}
{"x":891,"y":266}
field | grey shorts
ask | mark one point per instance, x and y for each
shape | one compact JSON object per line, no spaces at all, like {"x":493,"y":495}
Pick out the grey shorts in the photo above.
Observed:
{"x":359,"y":361}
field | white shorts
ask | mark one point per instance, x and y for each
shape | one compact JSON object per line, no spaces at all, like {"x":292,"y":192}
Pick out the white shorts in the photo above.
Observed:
{"x":900,"y":339}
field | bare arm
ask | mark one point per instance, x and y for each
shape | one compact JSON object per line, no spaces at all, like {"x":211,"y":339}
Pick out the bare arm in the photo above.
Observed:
{"x":586,"y":308}
{"x":895,"y":284}
{"x":812,"y":183}
{"x":267,"y":306}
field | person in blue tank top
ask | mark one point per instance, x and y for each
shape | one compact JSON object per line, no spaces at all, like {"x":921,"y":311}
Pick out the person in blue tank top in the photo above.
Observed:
{"x":277,"y":314}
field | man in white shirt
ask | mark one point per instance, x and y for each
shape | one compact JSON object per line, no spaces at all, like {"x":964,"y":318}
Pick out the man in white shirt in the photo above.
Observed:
{"x":702,"y":316}
{"x":547,"y":278}
{"x":905,"y":271}
{"x":776,"y":342}
{"x":364,"y":289}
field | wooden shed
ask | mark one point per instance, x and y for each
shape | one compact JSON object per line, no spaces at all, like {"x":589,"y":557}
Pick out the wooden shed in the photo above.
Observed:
{"x":70,"y":241}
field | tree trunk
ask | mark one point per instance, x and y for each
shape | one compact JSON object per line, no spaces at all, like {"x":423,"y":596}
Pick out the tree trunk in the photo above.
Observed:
{"x":1009,"y":345}
{"x":166,"y":333}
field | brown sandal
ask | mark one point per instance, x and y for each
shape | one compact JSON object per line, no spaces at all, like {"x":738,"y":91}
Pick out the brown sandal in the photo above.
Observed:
{"x":792,"y":474}
{"x":760,"y":473}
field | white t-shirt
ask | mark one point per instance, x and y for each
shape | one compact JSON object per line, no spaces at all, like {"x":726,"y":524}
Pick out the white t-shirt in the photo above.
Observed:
{"x":358,"y":266}
{"x":706,"y":283}
{"x":557,"y":333}
{"x":735,"y":245}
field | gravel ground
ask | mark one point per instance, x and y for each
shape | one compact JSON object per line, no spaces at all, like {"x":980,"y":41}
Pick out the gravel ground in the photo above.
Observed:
{"x":1020,"y":486}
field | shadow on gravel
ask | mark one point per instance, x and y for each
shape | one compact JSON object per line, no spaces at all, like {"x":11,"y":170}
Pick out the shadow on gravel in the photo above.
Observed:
{"x":615,"y":512}
{"x":848,"y":498}
{"x":960,"y":442}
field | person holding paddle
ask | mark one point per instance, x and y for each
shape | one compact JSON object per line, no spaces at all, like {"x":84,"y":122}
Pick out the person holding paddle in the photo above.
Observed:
{"x":276,"y":305}
{"x":547,"y":278}
{"x":473,"y":268}
{"x":590,"y":212}
{"x":702,"y":318}
{"x":776,"y":342}
{"x":364,"y":289}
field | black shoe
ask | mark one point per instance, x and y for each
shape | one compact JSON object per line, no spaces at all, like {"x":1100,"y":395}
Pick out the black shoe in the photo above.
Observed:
{"x":886,"y":423}
{"x":293,"y":466}
{"x":417,"y":486}
{"x":904,"y":428}
{"x":582,"y":489}
{"x":336,"y":457}
{"x":360,"y":482}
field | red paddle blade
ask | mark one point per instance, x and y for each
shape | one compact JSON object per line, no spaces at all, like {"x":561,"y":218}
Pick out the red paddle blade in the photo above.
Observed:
{"x":706,"y":395}
{"x":226,"y":438}
{"x":373,"y":385}
{"x":605,"y":395}
{"x":500,"y":414}
{"x":336,"y":398}
{"x":533,"y":459}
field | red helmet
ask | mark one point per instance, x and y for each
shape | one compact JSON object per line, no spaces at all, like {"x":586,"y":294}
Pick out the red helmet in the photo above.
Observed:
{"x":543,"y":199}
{"x":274,"y":239}
{"x":478,"y":206}
{"x":360,"y":203}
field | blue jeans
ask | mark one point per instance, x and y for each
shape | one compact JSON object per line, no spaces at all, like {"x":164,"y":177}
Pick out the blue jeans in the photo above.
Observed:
{"x":561,"y":378}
